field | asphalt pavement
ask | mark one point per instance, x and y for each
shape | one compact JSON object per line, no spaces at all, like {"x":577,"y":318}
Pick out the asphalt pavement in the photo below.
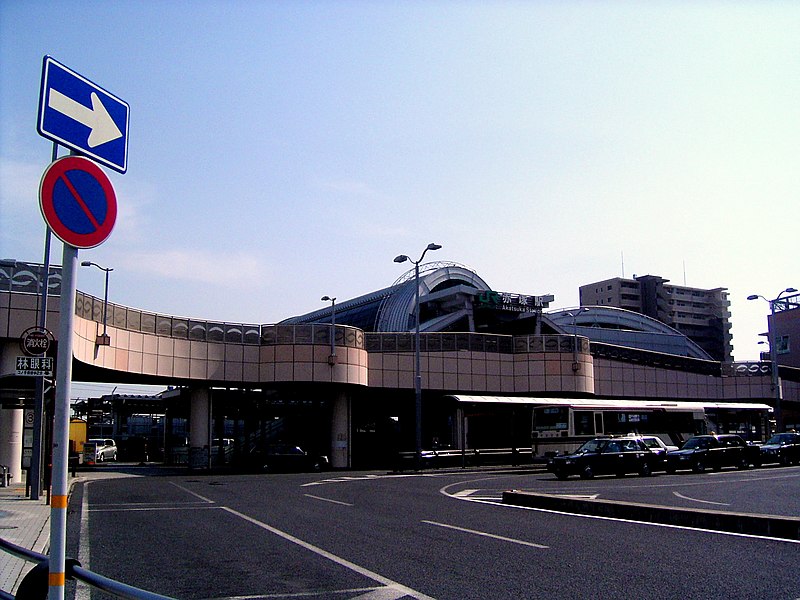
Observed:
{"x":26,"y":523}
{"x":23,"y":522}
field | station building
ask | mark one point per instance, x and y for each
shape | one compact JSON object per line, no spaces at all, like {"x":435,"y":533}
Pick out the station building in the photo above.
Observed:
{"x":340,"y":381}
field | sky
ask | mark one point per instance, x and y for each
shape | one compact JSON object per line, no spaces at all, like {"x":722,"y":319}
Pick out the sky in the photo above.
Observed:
{"x":281,"y":151}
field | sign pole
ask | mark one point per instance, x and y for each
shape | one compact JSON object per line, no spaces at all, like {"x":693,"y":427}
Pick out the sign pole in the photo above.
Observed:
{"x":38,"y":413}
{"x":58,"y":499}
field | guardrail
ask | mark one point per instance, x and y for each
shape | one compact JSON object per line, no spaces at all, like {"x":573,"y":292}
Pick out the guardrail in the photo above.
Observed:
{"x":35,"y":585}
{"x":472,"y":457}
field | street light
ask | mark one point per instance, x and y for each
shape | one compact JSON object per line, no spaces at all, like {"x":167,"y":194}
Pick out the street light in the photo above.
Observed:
{"x":574,"y":315}
{"x":332,"y":357}
{"x":417,"y":375}
{"x":773,"y":353}
{"x":104,"y":339}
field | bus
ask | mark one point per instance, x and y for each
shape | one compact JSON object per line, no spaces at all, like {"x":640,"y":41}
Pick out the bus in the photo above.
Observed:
{"x":562,"y":425}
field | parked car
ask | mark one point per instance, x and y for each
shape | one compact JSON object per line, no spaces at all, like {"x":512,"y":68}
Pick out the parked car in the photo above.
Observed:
{"x":702,"y":452}
{"x":656,"y":444}
{"x":97,"y":450}
{"x":288,"y":458}
{"x":781,"y":448}
{"x":606,"y":456}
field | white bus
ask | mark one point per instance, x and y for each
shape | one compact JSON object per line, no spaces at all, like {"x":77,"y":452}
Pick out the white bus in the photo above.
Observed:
{"x":561,"y":425}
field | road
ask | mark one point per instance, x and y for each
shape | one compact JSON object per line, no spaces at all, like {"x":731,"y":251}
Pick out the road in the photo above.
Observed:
{"x":441,"y":535}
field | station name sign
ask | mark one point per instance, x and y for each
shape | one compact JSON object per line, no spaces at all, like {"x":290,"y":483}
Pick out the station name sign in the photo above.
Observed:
{"x":512,"y":302}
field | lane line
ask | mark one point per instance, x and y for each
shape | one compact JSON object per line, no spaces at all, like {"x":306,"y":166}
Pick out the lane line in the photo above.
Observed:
{"x":485,"y":534}
{"x":299,"y":594}
{"x":332,"y":557}
{"x":328,"y":500}
{"x":698,"y":500}
{"x":153,"y":508}
{"x":664,"y":525}
{"x":83,"y":591}
{"x":188,"y":491}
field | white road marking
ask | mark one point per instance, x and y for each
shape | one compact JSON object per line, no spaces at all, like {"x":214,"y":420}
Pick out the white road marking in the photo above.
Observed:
{"x":312,"y":594}
{"x":485,"y":534}
{"x":83,"y":591}
{"x":406,"y":591}
{"x":703,"y":501}
{"x":576,"y":496}
{"x":196,"y":495}
{"x":328,"y":500}
{"x":666,"y":526}
{"x":123,"y":508}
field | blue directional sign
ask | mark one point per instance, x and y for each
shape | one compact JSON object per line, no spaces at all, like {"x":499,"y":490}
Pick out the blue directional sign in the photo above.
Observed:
{"x":82,"y":116}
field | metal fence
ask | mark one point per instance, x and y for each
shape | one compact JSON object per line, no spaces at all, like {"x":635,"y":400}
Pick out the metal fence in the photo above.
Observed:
{"x":35,"y":585}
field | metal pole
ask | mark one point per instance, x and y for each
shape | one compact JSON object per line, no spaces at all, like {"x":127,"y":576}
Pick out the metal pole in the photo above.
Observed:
{"x":58,"y":499}
{"x":38,"y":411}
{"x":417,"y":375}
{"x":773,"y":356}
{"x":105,"y":304}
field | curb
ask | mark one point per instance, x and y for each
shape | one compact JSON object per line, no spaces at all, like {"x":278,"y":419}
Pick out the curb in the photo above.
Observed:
{"x":716,"y":520}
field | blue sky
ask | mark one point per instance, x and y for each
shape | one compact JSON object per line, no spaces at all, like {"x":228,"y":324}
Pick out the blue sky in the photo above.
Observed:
{"x":282,"y":151}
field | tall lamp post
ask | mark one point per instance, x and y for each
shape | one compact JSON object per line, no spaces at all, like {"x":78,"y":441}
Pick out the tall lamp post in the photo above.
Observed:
{"x":574,"y":315}
{"x":104,"y":339}
{"x":417,"y":374}
{"x":773,"y":353}
{"x":332,"y":357}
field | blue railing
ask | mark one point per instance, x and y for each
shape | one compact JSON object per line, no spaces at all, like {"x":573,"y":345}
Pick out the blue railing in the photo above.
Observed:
{"x":34,"y":586}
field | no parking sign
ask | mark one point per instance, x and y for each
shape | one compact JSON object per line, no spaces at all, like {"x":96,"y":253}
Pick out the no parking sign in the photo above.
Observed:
{"x":78,"y":202}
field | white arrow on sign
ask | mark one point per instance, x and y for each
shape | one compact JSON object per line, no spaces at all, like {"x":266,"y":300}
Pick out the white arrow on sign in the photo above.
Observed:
{"x":103,"y":128}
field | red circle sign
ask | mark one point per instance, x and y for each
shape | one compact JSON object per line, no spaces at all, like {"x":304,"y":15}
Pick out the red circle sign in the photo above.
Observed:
{"x":78,"y":202}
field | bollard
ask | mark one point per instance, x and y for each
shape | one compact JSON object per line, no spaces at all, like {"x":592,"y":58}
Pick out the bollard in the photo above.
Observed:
{"x":6,"y":476}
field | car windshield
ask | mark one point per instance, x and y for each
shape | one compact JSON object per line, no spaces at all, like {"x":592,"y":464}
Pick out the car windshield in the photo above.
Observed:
{"x":695,"y":442}
{"x":651,"y":442}
{"x":780,"y":438}
{"x":590,"y":446}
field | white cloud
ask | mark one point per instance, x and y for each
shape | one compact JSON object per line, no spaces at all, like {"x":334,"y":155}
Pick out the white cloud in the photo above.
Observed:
{"x":19,"y":185}
{"x":210,"y":268}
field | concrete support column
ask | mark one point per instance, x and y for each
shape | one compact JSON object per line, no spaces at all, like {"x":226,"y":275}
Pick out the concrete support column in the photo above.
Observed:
{"x":340,"y":431}
{"x":11,"y":442}
{"x":199,"y":429}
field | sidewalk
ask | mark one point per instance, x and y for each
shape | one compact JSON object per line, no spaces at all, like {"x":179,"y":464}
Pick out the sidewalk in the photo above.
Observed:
{"x":23,"y":522}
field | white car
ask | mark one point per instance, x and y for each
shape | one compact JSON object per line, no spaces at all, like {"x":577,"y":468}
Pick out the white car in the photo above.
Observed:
{"x":656,"y":444}
{"x":98,"y":450}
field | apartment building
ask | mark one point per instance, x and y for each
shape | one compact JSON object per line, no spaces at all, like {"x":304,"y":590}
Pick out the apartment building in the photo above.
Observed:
{"x":703,"y":315}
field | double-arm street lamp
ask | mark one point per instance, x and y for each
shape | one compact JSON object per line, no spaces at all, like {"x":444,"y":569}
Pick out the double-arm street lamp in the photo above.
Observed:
{"x":417,"y":374}
{"x":104,"y":339}
{"x":773,"y":353}
{"x":332,"y":357}
{"x":574,"y":314}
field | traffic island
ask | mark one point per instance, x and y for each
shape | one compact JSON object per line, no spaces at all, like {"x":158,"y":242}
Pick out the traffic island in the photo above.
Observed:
{"x":716,"y":520}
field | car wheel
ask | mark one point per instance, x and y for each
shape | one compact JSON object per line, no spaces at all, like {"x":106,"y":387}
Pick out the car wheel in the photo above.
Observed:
{"x":100,"y":458}
{"x":699,"y":466}
{"x":645,"y":471}
{"x":114,"y":457}
{"x":785,"y":462}
{"x":743,"y":464}
{"x":561,"y":475}
{"x":587,"y":473}
{"x":671,"y":470}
